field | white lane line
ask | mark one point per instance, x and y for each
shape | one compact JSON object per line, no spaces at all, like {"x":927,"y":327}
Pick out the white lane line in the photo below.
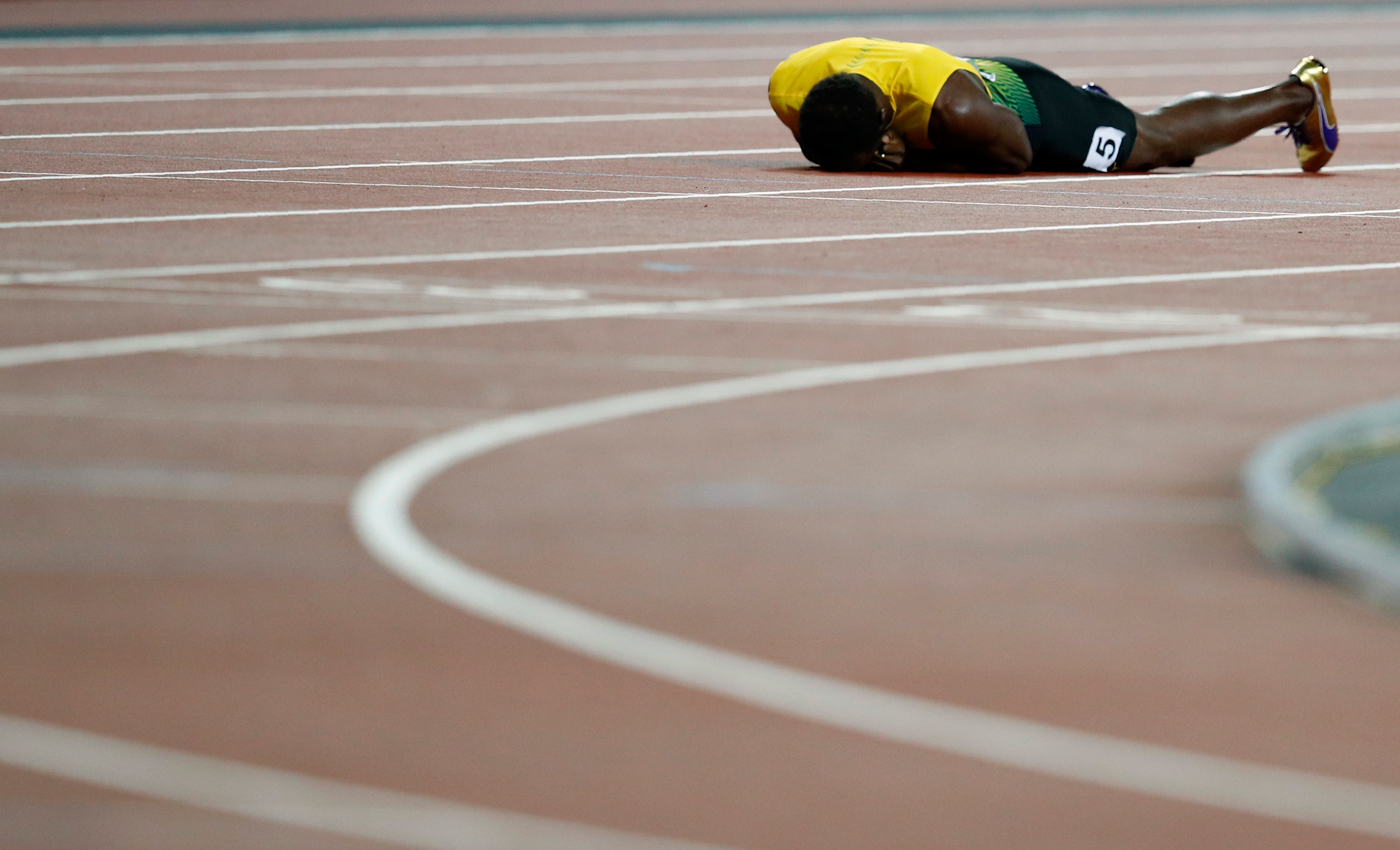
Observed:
{"x":452,"y":186}
{"x":380,"y":512}
{"x":38,"y":177}
{"x":471,"y":60}
{"x":410,"y":125}
{"x":1149,"y":319}
{"x":499,"y":188}
{"x":936,"y":318}
{"x":259,"y":413}
{"x":255,"y":214}
{"x":617,"y":198}
{"x":1348,"y":129}
{"x":1207,"y":70}
{"x":471,"y":90}
{"x":1364,"y":30}
{"x":499,"y":89}
{"x":503,"y":292}
{"x":186,"y":340}
{"x":638,"y":57}
{"x":1376,"y":93}
{"x":411,"y":164}
{"x":86,"y":275}
{"x":144,"y":293}
{"x":872,"y":187}
{"x":551,"y":359}
{"x":184,"y":484}
{"x":1384,"y":93}
{"x":1373,"y":128}
{"x":1062,"y":207}
{"x":294,"y":799}
{"x":1373,"y":93}
{"x":1142,"y":321}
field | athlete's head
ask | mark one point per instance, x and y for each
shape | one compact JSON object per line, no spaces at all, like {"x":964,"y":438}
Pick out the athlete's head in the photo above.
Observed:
{"x":841,"y":122}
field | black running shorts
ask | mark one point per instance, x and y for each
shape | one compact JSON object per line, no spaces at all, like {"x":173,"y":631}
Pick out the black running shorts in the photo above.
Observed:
{"x":1071,"y":129}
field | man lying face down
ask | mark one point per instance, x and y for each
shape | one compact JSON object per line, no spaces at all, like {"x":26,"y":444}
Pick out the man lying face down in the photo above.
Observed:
{"x":867,"y":103}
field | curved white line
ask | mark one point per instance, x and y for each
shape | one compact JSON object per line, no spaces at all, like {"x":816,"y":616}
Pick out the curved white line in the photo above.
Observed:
{"x":295,"y":799}
{"x":380,"y":512}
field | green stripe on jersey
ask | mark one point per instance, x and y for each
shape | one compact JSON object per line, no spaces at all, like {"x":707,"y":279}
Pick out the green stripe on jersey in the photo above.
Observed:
{"x":1008,"y":89}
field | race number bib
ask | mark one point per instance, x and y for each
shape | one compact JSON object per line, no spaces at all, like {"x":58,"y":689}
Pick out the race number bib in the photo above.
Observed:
{"x":1103,"y":151}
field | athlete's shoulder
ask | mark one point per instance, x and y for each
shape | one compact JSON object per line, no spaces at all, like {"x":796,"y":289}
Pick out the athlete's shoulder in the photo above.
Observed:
{"x":853,"y":54}
{"x":823,"y":52}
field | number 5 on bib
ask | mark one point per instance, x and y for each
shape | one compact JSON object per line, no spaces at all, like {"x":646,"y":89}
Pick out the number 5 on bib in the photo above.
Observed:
{"x":1104,"y":149}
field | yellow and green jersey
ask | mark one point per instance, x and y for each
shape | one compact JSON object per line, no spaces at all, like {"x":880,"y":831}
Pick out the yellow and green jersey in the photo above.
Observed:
{"x":911,"y":75}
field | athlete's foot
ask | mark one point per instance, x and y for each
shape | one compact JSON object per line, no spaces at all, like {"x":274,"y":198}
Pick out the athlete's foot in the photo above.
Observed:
{"x":1315,"y":135}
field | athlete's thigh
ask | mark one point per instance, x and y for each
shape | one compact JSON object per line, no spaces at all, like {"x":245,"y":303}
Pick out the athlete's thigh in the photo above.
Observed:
{"x":1077,"y":129}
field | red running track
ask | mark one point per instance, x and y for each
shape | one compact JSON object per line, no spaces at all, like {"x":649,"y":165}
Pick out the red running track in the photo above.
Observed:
{"x":508,"y":220}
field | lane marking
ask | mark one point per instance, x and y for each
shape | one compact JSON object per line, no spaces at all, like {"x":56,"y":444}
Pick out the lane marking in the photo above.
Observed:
{"x":411,"y":125}
{"x":157,"y":483}
{"x":502,"y":292}
{"x":86,"y":275}
{"x":872,"y":187}
{"x":1377,"y":93}
{"x":1366,"y":29}
{"x":636,"y":57}
{"x":459,"y":187}
{"x":1381,"y":93}
{"x":143,"y":292}
{"x":1027,"y":205}
{"x":380,"y":513}
{"x":1018,"y":315}
{"x":471,"y":90}
{"x":1215,"y":69}
{"x":810,"y":317}
{"x":294,"y":799}
{"x":501,"y":88}
{"x":39,"y":177}
{"x":812,"y":194}
{"x":478,"y":60}
{"x":1389,"y":127}
{"x":185,"y":340}
{"x":1373,"y":93}
{"x":766,"y":494}
{"x":261,"y":413}
{"x":505,"y":188}
{"x":567,"y":360}
{"x":412,"y":164}
{"x":1373,"y":128}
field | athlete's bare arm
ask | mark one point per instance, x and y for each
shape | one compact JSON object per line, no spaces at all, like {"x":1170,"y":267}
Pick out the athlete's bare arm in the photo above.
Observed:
{"x":971,"y":133}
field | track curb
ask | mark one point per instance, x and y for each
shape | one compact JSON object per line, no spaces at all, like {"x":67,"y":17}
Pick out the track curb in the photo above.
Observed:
{"x":1294,"y":525}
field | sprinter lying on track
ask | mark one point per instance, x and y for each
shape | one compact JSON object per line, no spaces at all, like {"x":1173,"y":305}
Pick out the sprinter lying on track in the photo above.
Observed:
{"x":863,"y":103}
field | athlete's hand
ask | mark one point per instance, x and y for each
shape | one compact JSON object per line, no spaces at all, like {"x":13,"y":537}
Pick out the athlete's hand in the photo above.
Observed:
{"x":889,"y":156}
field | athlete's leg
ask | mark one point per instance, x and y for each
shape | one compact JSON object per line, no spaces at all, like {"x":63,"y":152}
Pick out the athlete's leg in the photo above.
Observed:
{"x":1203,"y":122}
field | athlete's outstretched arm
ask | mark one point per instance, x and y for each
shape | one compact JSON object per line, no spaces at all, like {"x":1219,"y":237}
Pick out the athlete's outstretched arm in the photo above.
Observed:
{"x":971,"y":133}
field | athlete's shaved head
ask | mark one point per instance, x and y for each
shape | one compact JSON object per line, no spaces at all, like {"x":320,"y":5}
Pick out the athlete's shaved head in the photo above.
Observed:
{"x":840,"y":123}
